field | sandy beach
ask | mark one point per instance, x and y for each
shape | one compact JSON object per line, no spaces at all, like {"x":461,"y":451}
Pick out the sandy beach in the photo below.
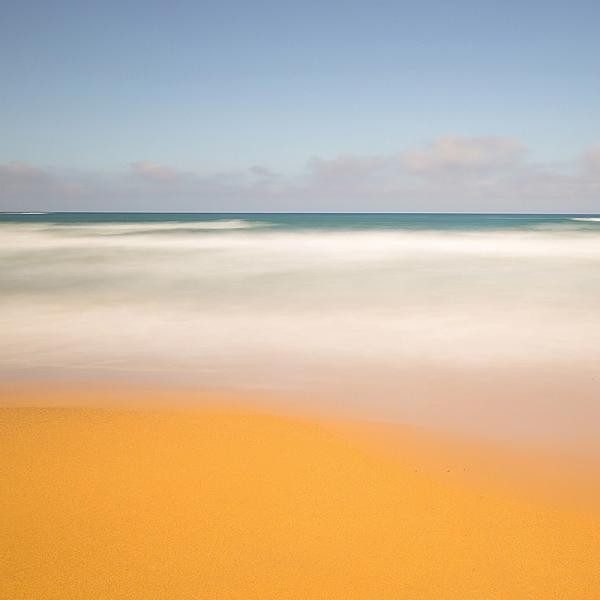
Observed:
{"x":300,"y":301}
{"x":141,"y":501}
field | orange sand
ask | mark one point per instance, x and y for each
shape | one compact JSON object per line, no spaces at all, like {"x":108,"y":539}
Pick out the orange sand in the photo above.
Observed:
{"x":215,"y":504}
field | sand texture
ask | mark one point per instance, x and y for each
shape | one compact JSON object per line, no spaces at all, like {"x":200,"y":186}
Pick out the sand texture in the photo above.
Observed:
{"x":233,"y":504}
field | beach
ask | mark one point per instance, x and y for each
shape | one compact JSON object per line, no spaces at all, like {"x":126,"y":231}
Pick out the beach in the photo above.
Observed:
{"x":300,"y":301}
{"x":228,"y":501}
{"x":299,"y":406}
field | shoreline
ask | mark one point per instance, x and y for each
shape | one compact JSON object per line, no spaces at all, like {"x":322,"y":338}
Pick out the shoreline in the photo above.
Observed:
{"x":559,"y":474}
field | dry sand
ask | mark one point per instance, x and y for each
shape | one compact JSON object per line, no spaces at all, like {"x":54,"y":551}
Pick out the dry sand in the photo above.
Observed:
{"x":211,"y":503}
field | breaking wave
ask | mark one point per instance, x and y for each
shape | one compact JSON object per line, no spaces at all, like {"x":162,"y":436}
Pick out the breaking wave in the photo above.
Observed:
{"x":293,"y":249}
{"x":232,"y":302}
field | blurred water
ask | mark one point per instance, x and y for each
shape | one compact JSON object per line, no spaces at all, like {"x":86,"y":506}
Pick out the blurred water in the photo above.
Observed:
{"x":300,"y":302}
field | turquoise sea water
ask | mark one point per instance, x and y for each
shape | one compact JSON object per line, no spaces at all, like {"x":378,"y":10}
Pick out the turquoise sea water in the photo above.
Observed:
{"x":408,"y":316}
{"x":407,"y":221}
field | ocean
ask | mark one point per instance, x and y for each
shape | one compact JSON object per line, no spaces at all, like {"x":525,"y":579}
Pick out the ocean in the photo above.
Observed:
{"x":413,"y":317}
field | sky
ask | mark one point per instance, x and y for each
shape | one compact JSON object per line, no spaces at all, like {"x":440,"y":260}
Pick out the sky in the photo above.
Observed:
{"x":276,"y":105}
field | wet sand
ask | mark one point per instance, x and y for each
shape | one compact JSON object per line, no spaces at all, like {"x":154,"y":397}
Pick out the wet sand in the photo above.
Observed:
{"x":141,"y":501}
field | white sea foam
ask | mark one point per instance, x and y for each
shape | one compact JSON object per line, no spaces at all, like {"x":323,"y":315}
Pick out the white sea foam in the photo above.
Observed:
{"x":296,"y":308}
{"x":593,"y":219}
{"x":151,"y":227}
{"x":297,"y":245}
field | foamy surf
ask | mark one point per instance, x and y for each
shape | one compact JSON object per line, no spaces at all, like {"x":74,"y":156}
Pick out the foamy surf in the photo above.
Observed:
{"x":297,"y":249}
{"x":306,"y":303}
{"x":166,"y":226}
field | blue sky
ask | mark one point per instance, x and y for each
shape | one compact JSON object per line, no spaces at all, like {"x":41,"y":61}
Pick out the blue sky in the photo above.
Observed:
{"x":210,"y":89}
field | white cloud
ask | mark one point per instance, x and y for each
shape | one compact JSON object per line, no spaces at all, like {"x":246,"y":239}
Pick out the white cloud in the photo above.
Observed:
{"x":153,"y":172}
{"x":453,"y":173}
{"x":19,"y":174}
{"x":591,"y":160}
{"x":24,"y":186}
{"x":455,"y":154}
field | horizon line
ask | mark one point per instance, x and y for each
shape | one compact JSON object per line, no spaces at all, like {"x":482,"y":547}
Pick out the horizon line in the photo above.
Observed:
{"x":265,"y":212}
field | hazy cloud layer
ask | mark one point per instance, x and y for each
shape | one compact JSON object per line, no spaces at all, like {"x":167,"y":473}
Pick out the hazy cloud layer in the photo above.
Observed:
{"x":452,"y":155}
{"x":453,"y":173}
